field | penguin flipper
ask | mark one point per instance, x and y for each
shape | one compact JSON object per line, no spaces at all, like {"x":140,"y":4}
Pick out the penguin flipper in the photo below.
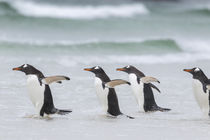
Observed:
{"x":59,"y":82}
{"x":116,"y":82}
{"x":51,"y":79}
{"x":206,"y":88}
{"x":148,"y":79}
{"x":153,"y":86}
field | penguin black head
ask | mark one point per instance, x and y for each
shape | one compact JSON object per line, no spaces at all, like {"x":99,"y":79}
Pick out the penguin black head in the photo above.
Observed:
{"x":27,"y":69}
{"x":95,"y":70}
{"x":99,"y":72}
{"x":197,"y":73}
{"x":130,"y":69}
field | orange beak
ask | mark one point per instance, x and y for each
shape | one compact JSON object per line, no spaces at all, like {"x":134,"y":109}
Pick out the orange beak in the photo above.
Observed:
{"x":16,"y":69}
{"x":120,"y":69}
{"x":88,"y":69}
{"x":188,"y":70}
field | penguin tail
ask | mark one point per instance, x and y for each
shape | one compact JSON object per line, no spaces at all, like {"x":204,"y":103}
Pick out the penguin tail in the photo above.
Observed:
{"x":163,"y":109}
{"x":63,"y":112}
{"x":129,"y":117}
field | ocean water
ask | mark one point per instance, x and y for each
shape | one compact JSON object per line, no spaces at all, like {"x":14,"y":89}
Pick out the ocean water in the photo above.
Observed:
{"x":63,"y":37}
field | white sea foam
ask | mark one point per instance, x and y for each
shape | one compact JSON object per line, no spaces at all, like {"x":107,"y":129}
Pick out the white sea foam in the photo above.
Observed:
{"x":29,"y":8}
{"x":134,"y":59}
{"x":189,"y":45}
{"x":194,"y":45}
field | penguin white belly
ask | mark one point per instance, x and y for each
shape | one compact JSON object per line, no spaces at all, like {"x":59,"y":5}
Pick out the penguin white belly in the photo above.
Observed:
{"x":102,"y":94}
{"x":138,"y":90}
{"x":201,"y":97}
{"x":36,"y":92}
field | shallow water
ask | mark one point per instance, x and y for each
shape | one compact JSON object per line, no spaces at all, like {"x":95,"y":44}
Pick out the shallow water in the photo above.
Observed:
{"x":88,"y":121}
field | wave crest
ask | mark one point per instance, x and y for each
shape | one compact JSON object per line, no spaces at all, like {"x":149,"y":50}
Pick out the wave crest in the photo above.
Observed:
{"x":150,"y":46}
{"x":6,"y":8}
{"x":203,"y":10}
{"x":32,"y":9}
{"x":151,"y":51}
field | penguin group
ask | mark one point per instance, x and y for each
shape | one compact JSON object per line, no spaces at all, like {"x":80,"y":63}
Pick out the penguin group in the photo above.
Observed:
{"x":142,"y":87}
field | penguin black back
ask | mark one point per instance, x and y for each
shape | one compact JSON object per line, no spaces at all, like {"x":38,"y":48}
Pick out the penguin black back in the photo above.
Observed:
{"x":149,"y":100}
{"x":48,"y":106}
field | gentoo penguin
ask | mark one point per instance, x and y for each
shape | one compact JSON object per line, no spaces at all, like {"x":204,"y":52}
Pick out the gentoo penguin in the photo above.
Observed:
{"x":142,"y":89}
{"x":201,"y":89}
{"x":39,"y":90}
{"x":105,"y":91}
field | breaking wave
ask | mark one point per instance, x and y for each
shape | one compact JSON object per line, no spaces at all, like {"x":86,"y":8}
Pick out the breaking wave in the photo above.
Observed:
{"x":32,"y":9}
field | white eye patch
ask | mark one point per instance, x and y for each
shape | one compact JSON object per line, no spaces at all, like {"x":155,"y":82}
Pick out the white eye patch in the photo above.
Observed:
{"x":25,"y":65}
{"x":128,"y":66}
{"x":97,"y":67}
{"x":197,"y":69}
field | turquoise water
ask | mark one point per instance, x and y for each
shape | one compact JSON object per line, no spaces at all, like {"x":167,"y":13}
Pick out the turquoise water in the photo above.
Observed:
{"x":107,"y":28}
